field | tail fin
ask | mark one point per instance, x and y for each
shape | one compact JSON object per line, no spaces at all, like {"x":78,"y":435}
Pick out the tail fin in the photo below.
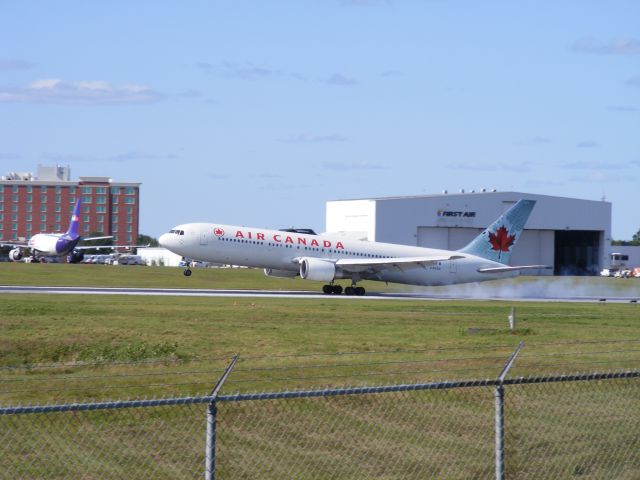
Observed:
{"x":497,"y":241}
{"x":75,"y":220}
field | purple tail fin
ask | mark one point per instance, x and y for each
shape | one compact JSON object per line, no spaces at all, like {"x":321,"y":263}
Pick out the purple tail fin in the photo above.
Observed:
{"x":75,"y":220}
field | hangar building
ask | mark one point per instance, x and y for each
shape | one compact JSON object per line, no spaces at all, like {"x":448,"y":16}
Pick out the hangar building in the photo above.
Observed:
{"x":570,"y":234}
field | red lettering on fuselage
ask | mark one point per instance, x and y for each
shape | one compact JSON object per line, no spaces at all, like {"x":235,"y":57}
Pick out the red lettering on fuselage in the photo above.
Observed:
{"x":302,"y":241}
{"x":340,"y":245}
{"x":314,"y":243}
{"x":288,"y":240}
{"x":276,"y":238}
{"x":326,"y":243}
{"x":260,"y":236}
{"x":239,"y":234}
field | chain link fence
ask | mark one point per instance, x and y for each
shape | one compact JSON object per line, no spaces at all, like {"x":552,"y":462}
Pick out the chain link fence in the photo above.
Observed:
{"x":553,"y":427}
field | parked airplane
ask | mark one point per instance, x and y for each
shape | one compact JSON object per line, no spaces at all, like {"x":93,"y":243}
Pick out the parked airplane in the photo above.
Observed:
{"x":326,"y":258}
{"x":57,"y":244}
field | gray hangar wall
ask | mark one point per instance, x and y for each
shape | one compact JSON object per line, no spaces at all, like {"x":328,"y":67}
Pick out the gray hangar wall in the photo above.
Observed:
{"x":571,"y":235}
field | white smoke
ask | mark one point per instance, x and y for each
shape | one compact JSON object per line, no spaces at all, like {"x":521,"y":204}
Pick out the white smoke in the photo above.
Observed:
{"x":542,"y":288}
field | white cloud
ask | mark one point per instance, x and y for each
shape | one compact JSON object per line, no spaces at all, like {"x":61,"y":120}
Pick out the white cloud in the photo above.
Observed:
{"x":13,"y":64}
{"x":95,"y":92}
{"x":630,"y":46}
{"x":304,"y":138}
{"x":361,"y":165}
{"x":341,"y":81}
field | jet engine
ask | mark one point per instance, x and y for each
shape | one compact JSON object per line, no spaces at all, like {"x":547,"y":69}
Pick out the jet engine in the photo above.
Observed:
{"x":272,"y":272}
{"x":15,"y":255}
{"x":316,"y":269}
{"x":75,"y":257}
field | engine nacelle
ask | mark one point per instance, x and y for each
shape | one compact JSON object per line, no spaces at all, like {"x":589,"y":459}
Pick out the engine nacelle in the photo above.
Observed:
{"x":316,"y":269}
{"x":15,"y":255}
{"x":75,"y":257}
{"x":272,"y":272}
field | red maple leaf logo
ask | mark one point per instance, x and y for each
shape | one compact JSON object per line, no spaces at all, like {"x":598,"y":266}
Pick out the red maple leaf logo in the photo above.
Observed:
{"x":501,"y":240}
{"x":218,"y":232}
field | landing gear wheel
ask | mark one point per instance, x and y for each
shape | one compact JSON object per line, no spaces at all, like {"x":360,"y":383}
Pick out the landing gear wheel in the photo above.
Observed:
{"x":187,"y":273}
{"x":327,"y":289}
{"x":359,"y":291}
{"x":337,"y":289}
{"x":349,"y":291}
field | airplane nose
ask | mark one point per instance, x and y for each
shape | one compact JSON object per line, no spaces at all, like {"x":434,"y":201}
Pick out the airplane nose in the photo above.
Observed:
{"x":164,"y":240}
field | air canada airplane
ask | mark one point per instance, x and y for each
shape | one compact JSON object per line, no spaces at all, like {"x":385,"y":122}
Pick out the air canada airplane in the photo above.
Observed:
{"x":57,"y":244}
{"x":326,"y":258}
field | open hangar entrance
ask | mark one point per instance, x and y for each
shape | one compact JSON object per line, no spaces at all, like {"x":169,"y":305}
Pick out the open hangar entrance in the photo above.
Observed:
{"x":569,"y":252}
{"x":577,"y":252}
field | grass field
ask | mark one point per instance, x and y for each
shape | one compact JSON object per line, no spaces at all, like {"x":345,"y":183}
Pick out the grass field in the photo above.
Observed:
{"x":71,"y":348}
{"x":58,"y":348}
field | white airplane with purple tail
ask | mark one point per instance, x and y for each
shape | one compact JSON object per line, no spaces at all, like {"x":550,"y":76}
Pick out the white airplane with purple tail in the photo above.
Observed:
{"x":326,"y":258}
{"x":58,"y":244}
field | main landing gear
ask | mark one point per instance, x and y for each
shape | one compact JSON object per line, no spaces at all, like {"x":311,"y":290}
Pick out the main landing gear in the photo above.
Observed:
{"x":187,"y":272}
{"x":337,"y":290}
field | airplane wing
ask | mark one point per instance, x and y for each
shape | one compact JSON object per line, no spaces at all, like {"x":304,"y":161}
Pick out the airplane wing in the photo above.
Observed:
{"x":357,"y":265}
{"x":512,"y":269}
{"x":14,"y":244}
{"x":88,"y":239}
{"x":102,"y":247}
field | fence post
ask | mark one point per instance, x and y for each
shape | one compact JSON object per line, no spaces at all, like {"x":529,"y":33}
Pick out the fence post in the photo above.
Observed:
{"x":499,"y":414}
{"x":212,"y":412}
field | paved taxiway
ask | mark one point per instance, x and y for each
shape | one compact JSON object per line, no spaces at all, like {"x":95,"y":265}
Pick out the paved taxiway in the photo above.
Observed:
{"x":179,"y":292}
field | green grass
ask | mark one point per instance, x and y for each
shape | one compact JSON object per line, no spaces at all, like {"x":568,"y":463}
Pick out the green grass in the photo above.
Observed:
{"x":70,"y":348}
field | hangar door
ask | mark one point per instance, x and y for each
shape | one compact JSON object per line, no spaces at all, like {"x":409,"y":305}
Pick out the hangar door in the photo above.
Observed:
{"x":577,"y":252}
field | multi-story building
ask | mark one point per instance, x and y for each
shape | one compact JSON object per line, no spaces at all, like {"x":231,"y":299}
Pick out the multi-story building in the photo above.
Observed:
{"x":31,"y":204}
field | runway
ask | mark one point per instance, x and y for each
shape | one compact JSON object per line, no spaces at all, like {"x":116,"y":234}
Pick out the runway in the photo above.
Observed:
{"x":294,"y":294}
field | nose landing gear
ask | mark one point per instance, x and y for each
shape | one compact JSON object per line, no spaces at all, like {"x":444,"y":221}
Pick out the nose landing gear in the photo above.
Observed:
{"x":187,"y":272}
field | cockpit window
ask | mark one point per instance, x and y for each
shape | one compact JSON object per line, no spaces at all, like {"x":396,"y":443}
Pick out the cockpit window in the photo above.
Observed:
{"x":177,"y":232}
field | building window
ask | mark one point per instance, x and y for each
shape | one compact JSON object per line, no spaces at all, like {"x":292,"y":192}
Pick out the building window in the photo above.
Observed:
{"x":129,"y":200}
{"x":14,"y":226}
{"x":129,"y":229}
{"x":129,"y":190}
{"x":58,"y":208}
{"x":14,"y":217}
{"x":72,"y":190}
{"x":101,"y":228}
{"x":1,"y":216}
{"x":43,"y":217}
{"x":57,"y":218}
{"x":114,"y":209}
{"x":58,"y":227}
{"x":1,"y":188}
{"x":85,"y":228}
{"x":129,"y":239}
{"x":43,"y":227}
{"x":114,"y":218}
{"x":14,"y":188}
{"x":29,"y":189}
{"x":14,"y":208}
{"x":72,"y":199}
{"x":2,"y":207}
{"x":58,"y":189}
{"x":29,"y":217}
{"x":101,"y":199}
{"x":114,"y":228}
{"x":28,"y":227}
{"x":115,"y":238}
{"x":101,"y":218}
{"x":43,"y":188}
{"x":43,"y":208}
{"x":129,"y":218}
{"x":114,"y":199}
{"x":85,"y":218}
{"x":57,"y":198}
{"x":101,"y":209}
{"x":115,"y":190}
{"x":86,"y":199}
{"x":85,"y":209}
{"x":14,"y":236}
{"x":43,"y":199}
{"x":101,"y":190}
{"x":29,"y":198}
{"x":29,"y":208}
{"x":86,"y":190}
{"x":15,"y":198}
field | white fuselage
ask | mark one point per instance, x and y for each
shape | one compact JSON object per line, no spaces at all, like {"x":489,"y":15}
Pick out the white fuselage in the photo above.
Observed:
{"x":279,"y":250}
{"x":44,"y":243}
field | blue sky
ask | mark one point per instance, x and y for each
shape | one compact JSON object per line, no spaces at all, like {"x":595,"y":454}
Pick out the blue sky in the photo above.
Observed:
{"x":258,"y":112}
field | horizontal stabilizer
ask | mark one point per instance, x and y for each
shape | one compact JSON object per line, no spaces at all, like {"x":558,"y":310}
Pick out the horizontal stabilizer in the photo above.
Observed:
{"x":89,"y":239}
{"x":513,"y":269}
